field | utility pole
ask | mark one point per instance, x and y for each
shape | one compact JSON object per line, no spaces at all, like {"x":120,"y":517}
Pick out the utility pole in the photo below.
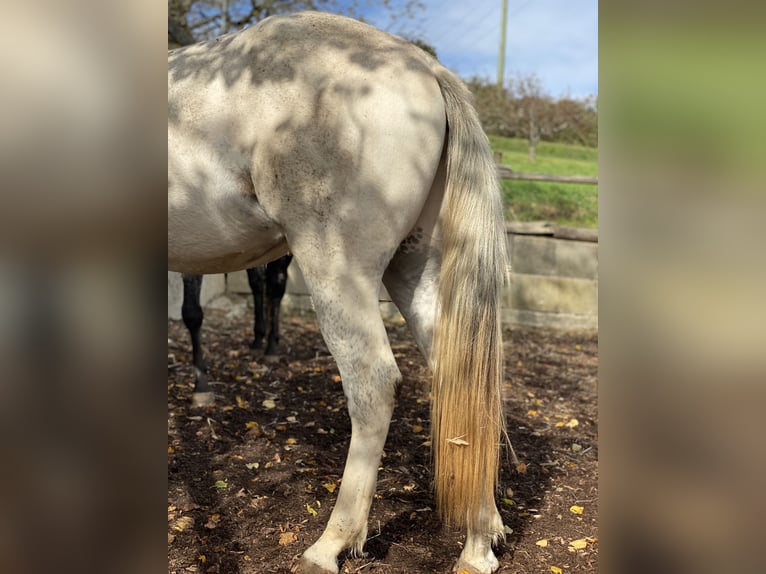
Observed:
{"x":501,"y":55}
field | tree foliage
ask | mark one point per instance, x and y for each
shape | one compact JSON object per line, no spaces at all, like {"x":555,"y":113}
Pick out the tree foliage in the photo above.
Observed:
{"x":193,"y":20}
{"x":523,"y":109}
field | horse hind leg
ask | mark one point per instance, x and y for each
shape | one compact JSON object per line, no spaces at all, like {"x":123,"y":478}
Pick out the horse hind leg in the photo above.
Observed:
{"x":477,"y":556}
{"x":349,"y":318}
{"x":412,"y":282}
{"x":256,"y":279}
{"x":192,"y":315}
{"x":276,"y":284}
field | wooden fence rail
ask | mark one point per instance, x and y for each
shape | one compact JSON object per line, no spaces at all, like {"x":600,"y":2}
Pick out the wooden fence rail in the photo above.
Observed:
{"x":506,"y":172}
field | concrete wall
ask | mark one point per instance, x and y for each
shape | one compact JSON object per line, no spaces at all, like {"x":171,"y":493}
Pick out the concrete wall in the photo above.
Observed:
{"x":212,"y":287}
{"x":553,"y":282}
{"x":297,"y":298}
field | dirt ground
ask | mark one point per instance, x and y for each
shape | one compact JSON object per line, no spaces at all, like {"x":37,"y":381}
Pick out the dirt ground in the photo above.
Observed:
{"x":252,"y":481}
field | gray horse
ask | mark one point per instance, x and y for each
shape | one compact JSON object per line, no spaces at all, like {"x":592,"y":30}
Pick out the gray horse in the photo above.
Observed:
{"x":363,"y":156}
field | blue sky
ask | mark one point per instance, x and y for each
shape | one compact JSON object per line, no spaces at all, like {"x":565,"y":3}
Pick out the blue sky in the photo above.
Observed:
{"x":555,"y":39}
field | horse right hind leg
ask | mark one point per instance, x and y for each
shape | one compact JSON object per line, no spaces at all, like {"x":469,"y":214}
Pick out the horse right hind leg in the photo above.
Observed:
{"x":192,"y":314}
{"x":412,"y":281}
{"x":256,"y":278}
{"x":276,"y":284}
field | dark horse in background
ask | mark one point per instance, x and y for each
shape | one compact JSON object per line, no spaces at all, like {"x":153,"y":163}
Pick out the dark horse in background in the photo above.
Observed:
{"x":268,"y":283}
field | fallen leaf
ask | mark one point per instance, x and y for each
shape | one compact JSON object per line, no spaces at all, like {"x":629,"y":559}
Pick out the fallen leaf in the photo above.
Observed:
{"x":417,"y":429}
{"x":269,"y":403}
{"x":572,"y":423}
{"x":576,"y":509}
{"x":251,"y":425}
{"x":556,"y":570}
{"x":521,"y":468}
{"x":336,"y":379}
{"x":212,"y":521}
{"x":542,"y":543}
{"x":532,"y":413}
{"x":252,"y":465}
{"x":458,"y":441}
{"x":202,"y":558}
{"x":291,"y":441}
{"x":507,"y":501}
{"x":576,"y":447}
{"x":578,"y":544}
{"x":330,"y":486}
{"x":183,"y":523}
{"x":287,"y":538}
{"x":311,"y":511}
{"x":242,"y":403}
{"x":221,"y":484}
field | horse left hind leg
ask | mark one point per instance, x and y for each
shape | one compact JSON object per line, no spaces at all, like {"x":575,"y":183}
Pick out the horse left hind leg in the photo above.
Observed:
{"x":349,"y":317}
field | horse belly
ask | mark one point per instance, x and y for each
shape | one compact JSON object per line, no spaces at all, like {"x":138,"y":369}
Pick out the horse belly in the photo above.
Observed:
{"x":216,"y":224}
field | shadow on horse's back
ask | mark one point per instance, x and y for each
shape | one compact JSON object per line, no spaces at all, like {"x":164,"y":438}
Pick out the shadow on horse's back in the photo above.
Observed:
{"x":363,"y":155}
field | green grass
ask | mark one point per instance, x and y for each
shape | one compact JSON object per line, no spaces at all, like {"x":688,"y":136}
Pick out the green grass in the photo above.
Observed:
{"x":562,"y":203}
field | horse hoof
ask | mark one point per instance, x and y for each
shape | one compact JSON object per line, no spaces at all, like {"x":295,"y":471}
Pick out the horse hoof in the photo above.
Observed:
{"x":309,"y":567}
{"x":487,"y":567}
{"x":206,"y":399}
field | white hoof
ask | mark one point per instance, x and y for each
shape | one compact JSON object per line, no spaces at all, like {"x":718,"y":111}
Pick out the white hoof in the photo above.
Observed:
{"x":314,"y":562}
{"x":203,"y":399}
{"x":485,"y":565}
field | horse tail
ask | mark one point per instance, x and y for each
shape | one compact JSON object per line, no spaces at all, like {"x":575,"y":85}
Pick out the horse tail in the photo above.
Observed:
{"x":467,"y":418}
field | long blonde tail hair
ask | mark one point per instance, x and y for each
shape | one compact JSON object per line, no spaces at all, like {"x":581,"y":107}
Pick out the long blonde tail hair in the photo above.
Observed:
{"x":467,"y":418}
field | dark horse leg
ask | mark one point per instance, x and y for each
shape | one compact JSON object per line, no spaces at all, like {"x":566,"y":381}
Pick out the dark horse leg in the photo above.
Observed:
{"x":256,"y":277}
{"x":191,"y":312}
{"x":269,"y":280}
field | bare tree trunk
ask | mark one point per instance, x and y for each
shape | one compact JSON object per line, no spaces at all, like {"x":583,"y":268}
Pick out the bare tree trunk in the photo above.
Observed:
{"x":534,"y":137}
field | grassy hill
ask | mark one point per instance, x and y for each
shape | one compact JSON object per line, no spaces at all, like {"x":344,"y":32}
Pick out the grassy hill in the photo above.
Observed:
{"x":568,"y":204}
